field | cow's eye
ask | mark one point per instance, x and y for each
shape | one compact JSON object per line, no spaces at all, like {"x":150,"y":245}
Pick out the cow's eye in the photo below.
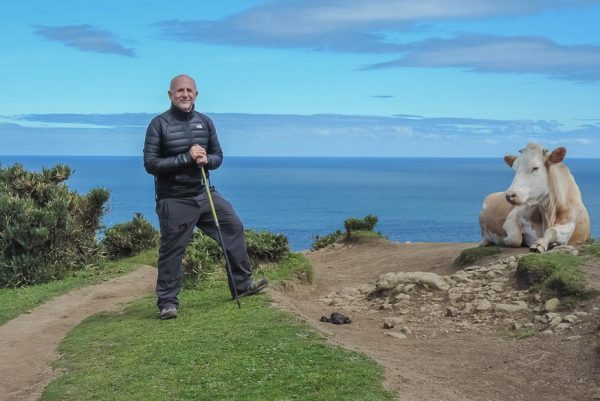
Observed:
{"x":535,"y":169}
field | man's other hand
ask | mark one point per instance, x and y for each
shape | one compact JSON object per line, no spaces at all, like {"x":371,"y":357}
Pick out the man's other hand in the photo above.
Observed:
{"x":198,"y":154}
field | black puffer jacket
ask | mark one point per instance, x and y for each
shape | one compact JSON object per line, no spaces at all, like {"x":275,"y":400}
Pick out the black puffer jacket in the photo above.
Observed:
{"x":166,"y":152}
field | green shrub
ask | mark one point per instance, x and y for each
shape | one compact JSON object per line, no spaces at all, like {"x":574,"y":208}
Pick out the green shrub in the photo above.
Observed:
{"x":45,"y":229}
{"x":353,"y":224}
{"x":264,"y":246}
{"x":204,"y":255}
{"x":553,"y":274}
{"x":320,"y":242}
{"x":129,"y":239}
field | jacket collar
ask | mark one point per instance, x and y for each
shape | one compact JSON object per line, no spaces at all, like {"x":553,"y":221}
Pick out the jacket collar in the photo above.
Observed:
{"x":180,"y":114}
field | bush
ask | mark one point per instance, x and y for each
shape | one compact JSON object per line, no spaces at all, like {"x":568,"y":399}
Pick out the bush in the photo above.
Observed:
{"x":367,"y":223}
{"x":264,"y":246}
{"x":129,"y":239}
{"x":320,"y":242}
{"x":553,"y":274}
{"x":204,"y":255}
{"x":45,"y":229}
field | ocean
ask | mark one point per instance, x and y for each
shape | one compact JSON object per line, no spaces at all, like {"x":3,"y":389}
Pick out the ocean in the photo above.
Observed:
{"x":415,"y":199}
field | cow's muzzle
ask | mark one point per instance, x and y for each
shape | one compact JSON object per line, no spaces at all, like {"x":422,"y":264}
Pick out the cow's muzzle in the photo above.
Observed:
{"x":511,"y":197}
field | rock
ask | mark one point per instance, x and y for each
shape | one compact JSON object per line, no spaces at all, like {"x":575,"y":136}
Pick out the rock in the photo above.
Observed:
{"x":540,"y":319}
{"x":537,"y":297}
{"x":493,"y":274}
{"x":552,"y":304}
{"x":451,"y":311}
{"x":425,"y":279}
{"x":581,"y":314}
{"x":555,"y":321}
{"x":402,"y":304}
{"x":405,"y":330}
{"x":385,"y":306}
{"x":570,"y":318}
{"x":517,"y":306}
{"x":516,"y":326}
{"x":529,"y":325}
{"x":409,"y":287}
{"x":574,"y":338}
{"x":391,"y":322}
{"x":483,"y":305}
{"x":497,"y":287}
{"x":468,"y":309}
{"x":461,"y":278}
{"x":547,"y":332}
{"x":561,"y":326}
{"x":510,"y":259}
{"x":552,"y":315}
{"x":402,"y":297}
{"x":366,"y":288}
{"x":400,"y":336}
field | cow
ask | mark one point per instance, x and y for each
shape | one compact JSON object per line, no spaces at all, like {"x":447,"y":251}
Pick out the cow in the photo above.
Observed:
{"x":541,"y":208}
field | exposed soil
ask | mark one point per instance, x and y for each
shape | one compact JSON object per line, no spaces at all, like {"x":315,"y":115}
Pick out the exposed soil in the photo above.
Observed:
{"x":432,"y":356}
{"x":427,"y":356}
{"x":28,"y":343}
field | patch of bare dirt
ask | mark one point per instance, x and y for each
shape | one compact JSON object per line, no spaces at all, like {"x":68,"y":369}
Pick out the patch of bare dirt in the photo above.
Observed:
{"x":28,"y":343}
{"x":472,"y":352}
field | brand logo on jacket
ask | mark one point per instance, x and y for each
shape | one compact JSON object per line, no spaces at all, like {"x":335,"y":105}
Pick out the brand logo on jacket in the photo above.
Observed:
{"x":199,"y":126}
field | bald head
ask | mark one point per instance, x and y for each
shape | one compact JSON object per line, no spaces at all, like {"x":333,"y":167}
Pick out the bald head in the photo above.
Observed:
{"x":181,"y":77}
{"x":183,"y":92}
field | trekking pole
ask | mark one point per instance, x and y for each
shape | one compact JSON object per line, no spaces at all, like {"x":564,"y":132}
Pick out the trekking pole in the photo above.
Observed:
{"x":214,"y":213}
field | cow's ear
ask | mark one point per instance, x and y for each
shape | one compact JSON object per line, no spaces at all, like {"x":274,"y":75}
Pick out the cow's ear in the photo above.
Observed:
{"x":509,"y":159}
{"x":557,"y":155}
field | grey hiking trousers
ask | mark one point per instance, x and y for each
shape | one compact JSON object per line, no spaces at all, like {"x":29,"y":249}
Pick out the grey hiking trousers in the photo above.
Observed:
{"x":177,"y":218}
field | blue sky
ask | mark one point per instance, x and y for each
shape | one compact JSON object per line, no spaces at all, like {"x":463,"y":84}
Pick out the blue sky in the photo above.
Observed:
{"x":305,"y":78}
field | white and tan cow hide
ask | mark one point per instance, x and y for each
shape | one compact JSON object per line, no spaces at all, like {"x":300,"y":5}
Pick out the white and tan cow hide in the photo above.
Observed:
{"x":541,"y":208}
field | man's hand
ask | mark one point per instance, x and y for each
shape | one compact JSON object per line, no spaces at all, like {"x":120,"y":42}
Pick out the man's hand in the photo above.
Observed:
{"x":198,"y":154}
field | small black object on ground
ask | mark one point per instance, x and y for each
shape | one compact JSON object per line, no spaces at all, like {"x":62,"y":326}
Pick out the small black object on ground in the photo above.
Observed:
{"x":336,"y":318}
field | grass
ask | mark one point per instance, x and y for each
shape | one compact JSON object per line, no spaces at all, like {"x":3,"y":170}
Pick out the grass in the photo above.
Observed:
{"x":591,"y":248}
{"x":557,"y":275}
{"x":16,"y":301}
{"x":471,"y":255}
{"x":213,"y":351}
{"x":357,"y":235}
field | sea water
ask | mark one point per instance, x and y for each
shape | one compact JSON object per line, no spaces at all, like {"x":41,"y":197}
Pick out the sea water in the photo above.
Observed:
{"x":415,"y":199}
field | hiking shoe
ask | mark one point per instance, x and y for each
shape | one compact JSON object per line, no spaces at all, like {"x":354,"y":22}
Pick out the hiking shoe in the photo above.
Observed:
{"x":254,"y":287}
{"x":169,"y":312}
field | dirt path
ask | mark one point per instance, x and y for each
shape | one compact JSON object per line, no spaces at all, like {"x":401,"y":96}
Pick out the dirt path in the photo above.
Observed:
{"x":440,"y":360}
{"x":28,"y":344}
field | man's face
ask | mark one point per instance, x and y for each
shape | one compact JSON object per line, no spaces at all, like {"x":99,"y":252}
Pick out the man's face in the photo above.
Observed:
{"x":183,"y":93}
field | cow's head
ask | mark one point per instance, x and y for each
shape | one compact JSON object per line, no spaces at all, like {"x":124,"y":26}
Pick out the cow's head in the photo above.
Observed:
{"x":530,"y":184}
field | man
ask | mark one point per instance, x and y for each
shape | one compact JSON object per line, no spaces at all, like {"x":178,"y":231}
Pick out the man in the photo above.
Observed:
{"x":180,"y":142}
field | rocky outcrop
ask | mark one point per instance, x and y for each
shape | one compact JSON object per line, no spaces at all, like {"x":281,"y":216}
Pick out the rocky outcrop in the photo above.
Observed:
{"x":479,"y":298}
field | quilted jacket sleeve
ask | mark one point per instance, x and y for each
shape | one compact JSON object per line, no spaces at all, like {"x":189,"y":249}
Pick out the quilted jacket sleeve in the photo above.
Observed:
{"x":153,"y":162}
{"x":214,"y":151}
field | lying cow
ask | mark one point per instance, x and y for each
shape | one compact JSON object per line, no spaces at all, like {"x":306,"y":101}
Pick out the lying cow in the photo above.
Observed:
{"x":542,"y":207}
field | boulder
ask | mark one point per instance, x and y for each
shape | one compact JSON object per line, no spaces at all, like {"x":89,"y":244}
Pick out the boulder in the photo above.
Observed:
{"x":389,"y":281}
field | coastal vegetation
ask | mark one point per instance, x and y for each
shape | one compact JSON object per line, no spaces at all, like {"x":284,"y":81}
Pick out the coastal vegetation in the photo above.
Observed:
{"x":129,"y":239}
{"x":553,"y":274}
{"x":48,"y":231}
{"x":356,"y":229}
{"x":471,"y":255}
